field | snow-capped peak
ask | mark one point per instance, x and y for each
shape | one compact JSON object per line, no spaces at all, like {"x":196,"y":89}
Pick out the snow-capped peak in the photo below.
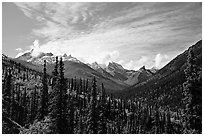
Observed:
{"x":69,"y":58}
{"x":49,"y":57}
{"x":95,"y":65}
{"x":115,"y":66}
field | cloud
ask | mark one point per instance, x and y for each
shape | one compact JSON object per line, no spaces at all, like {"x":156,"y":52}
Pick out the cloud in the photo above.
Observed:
{"x":19,"y":49}
{"x":36,"y":49}
{"x":135,"y":65}
{"x":160,"y":60}
{"x":109,"y":57}
{"x":56,"y":20}
{"x":118,"y":32}
{"x":63,"y":13}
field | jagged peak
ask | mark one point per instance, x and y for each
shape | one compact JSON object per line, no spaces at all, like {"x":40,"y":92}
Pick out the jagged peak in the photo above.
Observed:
{"x":65,"y":55}
{"x":142,"y":68}
{"x":95,"y":63}
{"x":113,"y":65}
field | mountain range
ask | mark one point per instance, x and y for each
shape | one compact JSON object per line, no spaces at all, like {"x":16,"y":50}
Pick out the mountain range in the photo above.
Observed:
{"x":167,"y":80}
{"x":114,"y":76}
{"x":117,"y":79}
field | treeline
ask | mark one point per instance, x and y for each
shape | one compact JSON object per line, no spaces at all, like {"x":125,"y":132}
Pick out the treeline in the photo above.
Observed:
{"x":57,"y":105}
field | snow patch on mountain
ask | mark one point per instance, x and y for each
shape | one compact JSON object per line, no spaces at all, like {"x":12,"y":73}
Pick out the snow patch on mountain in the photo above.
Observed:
{"x":49,"y":57}
{"x":95,"y":65}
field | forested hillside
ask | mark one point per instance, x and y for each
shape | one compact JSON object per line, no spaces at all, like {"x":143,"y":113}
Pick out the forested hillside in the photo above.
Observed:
{"x":36,"y":102}
{"x":73,"y":69}
{"x":166,"y":86}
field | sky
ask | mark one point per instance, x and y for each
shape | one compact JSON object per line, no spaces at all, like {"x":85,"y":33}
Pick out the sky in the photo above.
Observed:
{"x":132,"y":34}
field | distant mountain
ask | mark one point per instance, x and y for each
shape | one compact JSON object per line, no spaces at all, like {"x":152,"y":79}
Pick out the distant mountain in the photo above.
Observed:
{"x":73,"y":68}
{"x":99,"y":69}
{"x":129,"y":77}
{"x":95,"y":65}
{"x":117,"y":71}
{"x":49,"y":57}
{"x":115,"y":67}
{"x":139,"y":76}
{"x":26,"y":56}
{"x":169,"y":79}
{"x":114,"y":71}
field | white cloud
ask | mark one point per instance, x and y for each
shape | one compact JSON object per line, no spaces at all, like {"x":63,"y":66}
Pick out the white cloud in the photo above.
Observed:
{"x":160,"y":60}
{"x":88,"y":33}
{"x":36,"y":49}
{"x":63,"y":13}
{"x":94,"y":53}
{"x":19,"y":49}
{"x":114,"y":55}
{"x":135,"y":65}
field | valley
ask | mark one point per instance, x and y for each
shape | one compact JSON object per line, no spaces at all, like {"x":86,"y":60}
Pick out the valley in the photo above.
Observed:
{"x":117,"y":89}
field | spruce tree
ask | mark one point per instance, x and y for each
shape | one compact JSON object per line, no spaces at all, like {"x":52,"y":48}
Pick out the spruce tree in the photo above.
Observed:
{"x":33,"y":105}
{"x":7,"y":95}
{"x":75,"y":84}
{"x":63,"y":97}
{"x":92,"y":115}
{"x":192,"y":94}
{"x":44,"y":94}
{"x":71,"y":116}
{"x":84,"y":86}
{"x":58,"y":107}
{"x":55,"y":73}
{"x":156,"y":121}
{"x":87,"y":84}
{"x":80,"y":86}
{"x":55,"y":100}
{"x":102,"y":118}
{"x":25,"y":106}
{"x":72,"y":84}
{"x":12,"y":106}
{"x":168,"y":122}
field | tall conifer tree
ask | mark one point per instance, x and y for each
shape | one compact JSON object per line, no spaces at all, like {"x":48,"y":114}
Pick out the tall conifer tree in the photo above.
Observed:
{"x":193,"y":94}
{"x":102,"y":116}
{"x":55,"y":73}
{"x":63,"y":99}
{"x":58,"y":106}
{"x":92,"y":116}
{"x":44,"y":94}
{"x":7,"y":94}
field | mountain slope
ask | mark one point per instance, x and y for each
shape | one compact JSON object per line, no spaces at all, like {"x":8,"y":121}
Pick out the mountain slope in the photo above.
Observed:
{"x":167,"y":80}
{"x":49,"y":57}
{"x":129,"y":77}
{"x":73,"y":68}
{"x":114,"y":71}
{"x":99,"y":69}
{"x":138,"y":76}
{"x":117,"y":71}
